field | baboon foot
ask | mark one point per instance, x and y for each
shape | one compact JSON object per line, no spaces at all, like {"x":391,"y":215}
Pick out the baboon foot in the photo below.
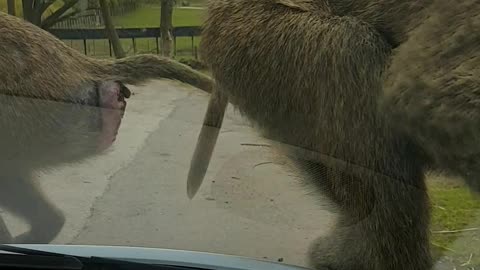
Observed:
{"x":344,"y":250}
{"x":333,"y":253}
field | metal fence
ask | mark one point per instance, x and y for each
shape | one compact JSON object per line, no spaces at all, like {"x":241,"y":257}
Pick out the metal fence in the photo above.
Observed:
{"x":83,"y":35}
{"x":88,"y":19}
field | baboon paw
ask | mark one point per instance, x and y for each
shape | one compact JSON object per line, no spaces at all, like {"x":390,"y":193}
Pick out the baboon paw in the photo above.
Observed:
{"x":321,"y":256}
{"x":328,"y":253}
{"x":6,"y":239}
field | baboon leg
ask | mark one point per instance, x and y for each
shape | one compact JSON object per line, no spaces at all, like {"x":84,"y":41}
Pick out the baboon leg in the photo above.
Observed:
{"x":383,"y":222}
{"x":206,"y":141}
{"x":311,"y":78}
{"x":432,"y":83}
{"x":21,"y":196}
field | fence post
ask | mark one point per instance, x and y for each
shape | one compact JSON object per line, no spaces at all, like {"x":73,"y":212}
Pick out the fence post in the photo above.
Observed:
{"x":134,"y":46}
{"x":158,"y":47}
{"x":193,"y":43}
{"x":174,"y":45}
{"x":85,"y":45}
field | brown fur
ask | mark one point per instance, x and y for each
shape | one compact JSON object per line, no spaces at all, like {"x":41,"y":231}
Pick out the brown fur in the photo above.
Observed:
{"x":44,"y":85}
{"x":387,"y":85}
{"x":58,"y":69}
{"x":432,"y":89}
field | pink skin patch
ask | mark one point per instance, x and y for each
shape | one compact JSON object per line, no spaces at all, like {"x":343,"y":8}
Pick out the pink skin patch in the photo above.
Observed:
{"x":112,"y":105}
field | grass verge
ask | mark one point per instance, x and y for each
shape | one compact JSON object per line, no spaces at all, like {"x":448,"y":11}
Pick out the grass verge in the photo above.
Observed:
{"x":455,"y":223}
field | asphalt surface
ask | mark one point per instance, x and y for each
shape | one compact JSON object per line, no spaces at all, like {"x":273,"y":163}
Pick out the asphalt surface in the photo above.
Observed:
{"x":136,"y":195}
{"x":249,"y":205}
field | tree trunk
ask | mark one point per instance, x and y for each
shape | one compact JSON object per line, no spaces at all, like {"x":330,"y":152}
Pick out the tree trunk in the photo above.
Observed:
{"x":29,"y":13}
{"x":27,"y":8}
{"x":110,"y":28}
{"x":166,"y":27}
{"x":11,"y":7}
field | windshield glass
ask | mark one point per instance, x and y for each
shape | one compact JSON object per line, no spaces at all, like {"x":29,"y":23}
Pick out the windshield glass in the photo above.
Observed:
{"x":336,"y":134}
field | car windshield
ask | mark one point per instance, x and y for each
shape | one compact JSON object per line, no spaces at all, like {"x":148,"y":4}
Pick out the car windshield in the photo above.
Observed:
{"x":321,"y":134}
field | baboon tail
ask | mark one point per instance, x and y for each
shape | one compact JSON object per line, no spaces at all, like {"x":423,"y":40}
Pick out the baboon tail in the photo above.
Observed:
{"x":141,"y":68}
{"x":206,"y":141}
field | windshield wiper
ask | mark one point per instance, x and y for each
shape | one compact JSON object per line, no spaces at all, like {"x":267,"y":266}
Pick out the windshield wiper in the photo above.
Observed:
{"x":26,"y":258}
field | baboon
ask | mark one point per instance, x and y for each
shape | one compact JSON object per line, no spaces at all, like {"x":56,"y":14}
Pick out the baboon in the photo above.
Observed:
{"x":367,"y":95}
{"x":58,"y":106}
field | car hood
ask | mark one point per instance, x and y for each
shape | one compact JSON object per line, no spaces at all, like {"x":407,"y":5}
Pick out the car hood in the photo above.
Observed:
{"x":165,"y":256}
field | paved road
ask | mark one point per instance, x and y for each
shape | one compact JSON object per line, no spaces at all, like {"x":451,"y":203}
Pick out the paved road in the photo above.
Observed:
{"x":135,"y":195}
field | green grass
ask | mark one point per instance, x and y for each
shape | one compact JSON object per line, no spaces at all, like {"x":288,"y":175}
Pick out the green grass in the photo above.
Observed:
{"x":455,"y":208}
{"x":149,"y":16}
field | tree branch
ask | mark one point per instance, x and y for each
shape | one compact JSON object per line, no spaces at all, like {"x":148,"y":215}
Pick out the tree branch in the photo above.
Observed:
{"x":64,"y":17}
{"x":56,"y":16}
{"x":43,"y":6}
